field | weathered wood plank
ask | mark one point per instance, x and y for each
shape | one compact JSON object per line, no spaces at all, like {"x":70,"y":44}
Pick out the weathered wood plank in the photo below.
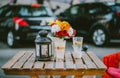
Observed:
{"x":56,"y":67}
{"x":49,"y":65}
{"x":22,"y":60}
{"x":96,"y":60}
{"x":69,"y":64}
{"x":80,"y":76}
{"x":59,"y":64}
{"x":30,"y":62}
{"x":88,"y":62}
{"x":12,"y":61}
{"x":38,"y":65}
{"x":68,"y":57}
{"x":79,"y":64}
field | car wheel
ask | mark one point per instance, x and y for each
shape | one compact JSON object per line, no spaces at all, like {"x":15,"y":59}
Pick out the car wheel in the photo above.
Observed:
{"x":10,"y":39}
{"x":100,"y":37}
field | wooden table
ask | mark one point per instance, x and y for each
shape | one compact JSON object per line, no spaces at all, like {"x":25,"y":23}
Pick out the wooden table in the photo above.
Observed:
{"x":23,"y":63}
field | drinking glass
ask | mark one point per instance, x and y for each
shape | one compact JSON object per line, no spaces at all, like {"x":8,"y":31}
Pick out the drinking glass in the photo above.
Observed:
{"x":77,"y":46}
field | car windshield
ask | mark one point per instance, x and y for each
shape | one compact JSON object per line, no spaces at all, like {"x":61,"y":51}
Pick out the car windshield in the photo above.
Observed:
{"x":116,"y":8}
{"x":113,"y":6}
{"x":99,"y":9}
{"x":35,"y":11}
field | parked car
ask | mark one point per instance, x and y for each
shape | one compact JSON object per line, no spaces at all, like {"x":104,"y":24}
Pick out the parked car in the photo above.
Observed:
{"x":22,"y":22}
{"x":94,"y":21}
{"x":114,"y":6}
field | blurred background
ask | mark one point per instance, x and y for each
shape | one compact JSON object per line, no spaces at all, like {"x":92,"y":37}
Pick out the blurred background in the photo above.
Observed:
{"x":96,"y":20}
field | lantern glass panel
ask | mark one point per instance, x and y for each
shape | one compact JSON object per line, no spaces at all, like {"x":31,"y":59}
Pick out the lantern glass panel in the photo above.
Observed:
{"x":44,"y":50}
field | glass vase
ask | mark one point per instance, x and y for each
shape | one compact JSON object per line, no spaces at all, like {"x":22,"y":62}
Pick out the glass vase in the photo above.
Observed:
{"x":59,"y":48}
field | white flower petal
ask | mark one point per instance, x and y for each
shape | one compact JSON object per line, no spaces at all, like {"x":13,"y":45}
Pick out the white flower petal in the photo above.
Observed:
{"x":55,"y":28}
{"x":70,"y":31}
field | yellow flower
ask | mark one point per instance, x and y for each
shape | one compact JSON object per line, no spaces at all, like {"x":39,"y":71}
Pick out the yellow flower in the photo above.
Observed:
{"x":51,"y":23}
{"x":58,"y":22}
{"x":65,"y":26}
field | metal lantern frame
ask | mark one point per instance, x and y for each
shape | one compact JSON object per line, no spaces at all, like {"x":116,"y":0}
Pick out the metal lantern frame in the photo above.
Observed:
{"x":43,"y":47}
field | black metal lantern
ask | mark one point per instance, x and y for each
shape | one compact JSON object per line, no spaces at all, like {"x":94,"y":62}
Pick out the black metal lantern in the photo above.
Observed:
{"x":43,"y":47}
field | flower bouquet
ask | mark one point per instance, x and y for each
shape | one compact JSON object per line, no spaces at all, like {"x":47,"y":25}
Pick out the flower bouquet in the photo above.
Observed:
{"x":60,"y":30}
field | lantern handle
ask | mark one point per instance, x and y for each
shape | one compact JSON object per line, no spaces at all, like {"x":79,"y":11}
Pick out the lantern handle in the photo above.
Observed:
{"x":43,"y":33}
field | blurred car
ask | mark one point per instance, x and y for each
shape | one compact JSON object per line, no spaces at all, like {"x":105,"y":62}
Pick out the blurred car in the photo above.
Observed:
{"x":114,"y":6}
{"x":22,"y":22}
{"x":96,"y":22}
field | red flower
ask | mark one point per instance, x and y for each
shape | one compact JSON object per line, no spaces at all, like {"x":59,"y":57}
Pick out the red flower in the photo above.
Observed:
{"x":52,"y":24}
{"x":61,"y":33}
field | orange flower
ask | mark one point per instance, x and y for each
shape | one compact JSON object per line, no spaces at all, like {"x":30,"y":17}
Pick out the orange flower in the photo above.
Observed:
{"x":65,"y":26}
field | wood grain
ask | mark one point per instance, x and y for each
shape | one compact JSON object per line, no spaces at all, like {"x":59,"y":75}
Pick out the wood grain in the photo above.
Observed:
{"x":24,"y":63}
